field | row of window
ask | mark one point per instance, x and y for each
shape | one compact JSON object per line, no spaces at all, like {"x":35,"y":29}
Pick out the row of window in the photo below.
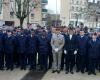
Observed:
{"x":83,"y":16}
{"x":78,"y":9}
{"x":76,"y":15}
{"x":78,"y":2}
{"x":74,"y":23}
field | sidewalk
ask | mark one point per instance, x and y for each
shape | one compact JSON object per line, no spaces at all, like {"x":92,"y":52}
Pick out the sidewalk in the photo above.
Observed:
{"x":75,"y":76}
{"x":17,"y":74}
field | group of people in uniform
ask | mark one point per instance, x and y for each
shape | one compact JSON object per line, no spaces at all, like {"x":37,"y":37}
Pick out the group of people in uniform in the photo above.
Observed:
{"x":57,"y":49}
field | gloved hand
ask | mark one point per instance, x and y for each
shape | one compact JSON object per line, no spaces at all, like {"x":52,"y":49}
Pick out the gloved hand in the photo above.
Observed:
{"x":75,"y":52}
{"x":65,"y":52}
{"x":56,"y":50}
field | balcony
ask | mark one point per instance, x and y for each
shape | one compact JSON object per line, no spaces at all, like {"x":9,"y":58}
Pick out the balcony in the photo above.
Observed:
{"x":44,"y":1}
{"x":44,"y":10}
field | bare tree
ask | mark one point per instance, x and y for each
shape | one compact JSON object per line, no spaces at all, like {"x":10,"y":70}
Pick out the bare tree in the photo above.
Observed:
{"x":23,"y":8}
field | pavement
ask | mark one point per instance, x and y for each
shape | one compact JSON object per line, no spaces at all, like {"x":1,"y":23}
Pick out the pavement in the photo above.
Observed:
{"x":17,"y":74}
{"x":12,"y":75}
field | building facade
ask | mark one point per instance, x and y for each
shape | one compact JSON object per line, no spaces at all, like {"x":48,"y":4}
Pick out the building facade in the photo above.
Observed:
{"x":93,"y":18}
{"x":75,"y":12}
{"x":36,"y":16}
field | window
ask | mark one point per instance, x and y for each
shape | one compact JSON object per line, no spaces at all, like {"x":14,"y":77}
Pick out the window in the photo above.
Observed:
{"x":72,"y":8}
{"x":80,"y":2}
{"x":32,"y":15}
{"x":12,"y":14}
{"x":73,"y":15}
{"x":81,"y":9}
{"x":44,"y":23}
{"x":11,"y":0}
{"x":85,"y":9}
{"x":77,"y":2}
{"x":85,"y":3}
{"x":71,"y":22}
{"x":11,"y":9}
{"x":11,"y":5}
{"x":76,"y":15}
{"x":77,"y":8}
{"x":80,"y":16}
{"x":0,"y":7}
{"x":44,"y":15}
{"x":72,"y":1}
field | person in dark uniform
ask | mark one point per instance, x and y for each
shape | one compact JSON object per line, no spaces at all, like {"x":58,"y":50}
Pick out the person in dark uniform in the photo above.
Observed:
{"x":82,"y":42}
{"x":93,"y":53}
{"x":71,"y":47}
{"x":9,"y":50}
{"x":21,"y":50}
{"x":1,"y":51}
{"x":65,"y":34}
{"x":15,"y":55}
{"x":99,"y":58}
{"x":88,"y":35}
{"x":43,"y":48}
{"x":38,"y":34}
{"x":32,"y":50}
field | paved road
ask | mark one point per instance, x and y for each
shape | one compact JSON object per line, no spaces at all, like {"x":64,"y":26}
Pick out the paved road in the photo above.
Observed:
{"x":27,"y":75}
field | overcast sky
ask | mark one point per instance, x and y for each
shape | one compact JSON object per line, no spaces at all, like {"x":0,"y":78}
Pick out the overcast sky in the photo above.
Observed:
{"x":52,"y":5}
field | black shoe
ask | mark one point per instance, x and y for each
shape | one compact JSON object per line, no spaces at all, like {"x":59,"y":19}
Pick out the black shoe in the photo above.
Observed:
{"x":89,"y":73}
{"x":66,"y":72}
{"x":77,"y":70}
{"x":94,"y":73}
{"x":7,"y":68}
{"x":1,"y":68}
{"x":86,"y":70}
{"x":82,"y":72}
{"x":40,"y":69}
{"x":71,"y":72}
{"x":12,"y":69}
{"x":24,"y":68}
{"x":17,"y":66}
{"x":30,"y":68}
{"x":58,"y":71}
{"x":53,"y":71}
{"x":49,"y":67}
{"x":21,"y":68}
{"x":62,"y":69}
{"x":45,"y":70}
